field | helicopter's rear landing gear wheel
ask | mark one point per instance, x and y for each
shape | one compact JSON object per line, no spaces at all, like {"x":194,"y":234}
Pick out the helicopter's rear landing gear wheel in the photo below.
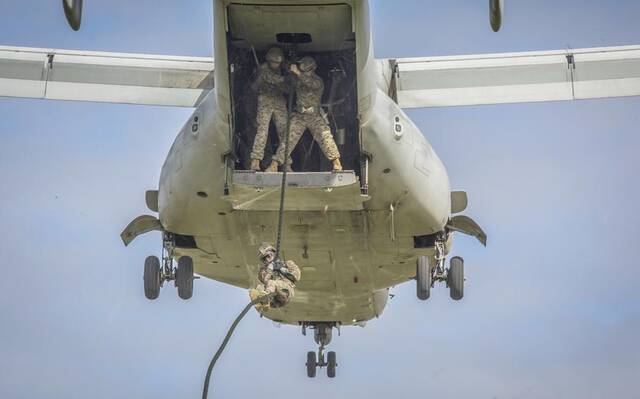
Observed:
{"x":423,"y":278}
{"x":426,"y":277}
{"x":312,"y":364}
{"x":322,"y":334}
{"x":156,"y":272}
{"x":184,"y":277}
{"x":152,"y":277}
{"x":455,"y":278}
{"x":331,"y":364}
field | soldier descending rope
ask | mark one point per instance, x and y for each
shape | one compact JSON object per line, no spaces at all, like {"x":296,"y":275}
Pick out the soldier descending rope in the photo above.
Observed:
{"x":276,"y":277}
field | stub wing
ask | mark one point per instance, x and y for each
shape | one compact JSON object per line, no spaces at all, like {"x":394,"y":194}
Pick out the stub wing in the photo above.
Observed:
{"x":104,"y":77}
{"x":514,"y":77}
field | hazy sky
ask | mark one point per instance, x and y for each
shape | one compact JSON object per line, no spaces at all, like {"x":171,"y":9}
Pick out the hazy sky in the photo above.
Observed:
{"x":552,"y":308}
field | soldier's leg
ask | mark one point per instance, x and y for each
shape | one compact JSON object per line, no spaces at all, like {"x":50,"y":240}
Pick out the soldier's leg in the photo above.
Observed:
{"x":271,"y":286}
{"x":298,"y":127}
{"x":284,"y":292}
{"x":263,"y":117}
{"x":280,"y":119}
{"x":322,"y":135}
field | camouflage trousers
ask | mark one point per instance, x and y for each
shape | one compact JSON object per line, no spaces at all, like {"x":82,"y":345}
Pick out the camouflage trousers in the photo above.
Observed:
{"x":283,"y":288}
{"x":319,"y":130}
{"x":268,"y":107}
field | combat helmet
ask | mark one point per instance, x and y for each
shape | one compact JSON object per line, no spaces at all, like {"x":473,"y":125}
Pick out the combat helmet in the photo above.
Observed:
{"x":265,"y":249}
{"x":275,"y":55}
{"x":307,"y":64}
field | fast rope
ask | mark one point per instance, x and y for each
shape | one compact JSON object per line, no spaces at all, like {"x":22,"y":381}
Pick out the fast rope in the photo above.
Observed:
{"x":265,"y":298}
{"x":262,"y":299}
{"x":285,"y":166}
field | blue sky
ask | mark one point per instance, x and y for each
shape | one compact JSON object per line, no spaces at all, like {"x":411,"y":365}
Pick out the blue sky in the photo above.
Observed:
{"x":551,"y":307}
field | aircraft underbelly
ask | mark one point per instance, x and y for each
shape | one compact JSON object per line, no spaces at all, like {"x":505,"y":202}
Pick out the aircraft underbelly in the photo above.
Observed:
{"x":347,"y":259}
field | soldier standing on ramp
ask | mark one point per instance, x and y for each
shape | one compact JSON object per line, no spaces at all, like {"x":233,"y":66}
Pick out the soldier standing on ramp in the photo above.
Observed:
{"x":309,"y":90}
{"x":271,"y":87}
{"x":275,"y":277}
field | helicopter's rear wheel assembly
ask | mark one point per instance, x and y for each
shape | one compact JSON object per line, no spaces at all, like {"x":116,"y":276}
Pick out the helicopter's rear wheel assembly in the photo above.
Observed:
{"x":157,"y":271}
{"x":322,"y":335}
{"x":427,"y":276}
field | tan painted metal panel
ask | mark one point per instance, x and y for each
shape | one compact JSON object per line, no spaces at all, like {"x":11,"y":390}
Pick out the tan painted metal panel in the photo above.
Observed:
{"x":312,"y":191}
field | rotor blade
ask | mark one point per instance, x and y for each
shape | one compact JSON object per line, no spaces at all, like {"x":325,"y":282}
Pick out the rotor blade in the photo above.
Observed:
{"x":496,"y":9}
{"x":73,"y":12}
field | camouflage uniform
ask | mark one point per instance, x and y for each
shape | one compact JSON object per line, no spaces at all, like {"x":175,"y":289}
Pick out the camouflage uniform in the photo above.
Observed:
{"x":271,"y":88}
{"x":309,"y":90}
{"x":274,"y":281}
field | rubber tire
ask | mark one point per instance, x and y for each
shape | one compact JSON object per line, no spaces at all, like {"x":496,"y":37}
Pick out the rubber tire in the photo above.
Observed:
{"x":152,"y":277}
{"x":184,"y":277}
{"x":331,"y":364}
{"x":423,"y":278}
{"x":455,"y":278}
{"x":312,"y":364}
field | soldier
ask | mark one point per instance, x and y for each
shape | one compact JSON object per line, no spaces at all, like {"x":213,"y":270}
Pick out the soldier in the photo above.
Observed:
{"x":271,"y":87}
{"x":309,"y":90}
{"x":275,"y":277}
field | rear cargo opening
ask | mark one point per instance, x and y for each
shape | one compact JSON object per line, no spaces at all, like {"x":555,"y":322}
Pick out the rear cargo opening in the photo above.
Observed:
{"x":324,"y":32}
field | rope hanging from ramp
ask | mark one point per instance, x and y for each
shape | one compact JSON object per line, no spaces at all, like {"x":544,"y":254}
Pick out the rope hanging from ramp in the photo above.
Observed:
{"x":269,"y":297}
{"x":262,"y":299}
{"x":285,"y":166}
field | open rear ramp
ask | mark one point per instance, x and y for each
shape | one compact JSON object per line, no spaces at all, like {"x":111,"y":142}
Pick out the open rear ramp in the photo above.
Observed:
{"x":306,"y":191}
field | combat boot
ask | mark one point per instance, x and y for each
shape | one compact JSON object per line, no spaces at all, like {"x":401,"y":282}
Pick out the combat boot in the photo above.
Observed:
{"x":255,"y":165}
{"x":337,"y":166}
{"x":255,"y":294}
{"x":273,"y":167}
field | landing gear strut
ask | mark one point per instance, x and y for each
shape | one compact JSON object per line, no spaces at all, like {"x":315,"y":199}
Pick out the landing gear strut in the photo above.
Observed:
{"x":322,"y":334}
{"x":156,"y":274}
{"x":426,"y":276}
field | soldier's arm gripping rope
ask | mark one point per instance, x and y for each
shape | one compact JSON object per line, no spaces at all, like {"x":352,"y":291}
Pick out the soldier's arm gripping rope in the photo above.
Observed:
{"x":309,"y":90}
